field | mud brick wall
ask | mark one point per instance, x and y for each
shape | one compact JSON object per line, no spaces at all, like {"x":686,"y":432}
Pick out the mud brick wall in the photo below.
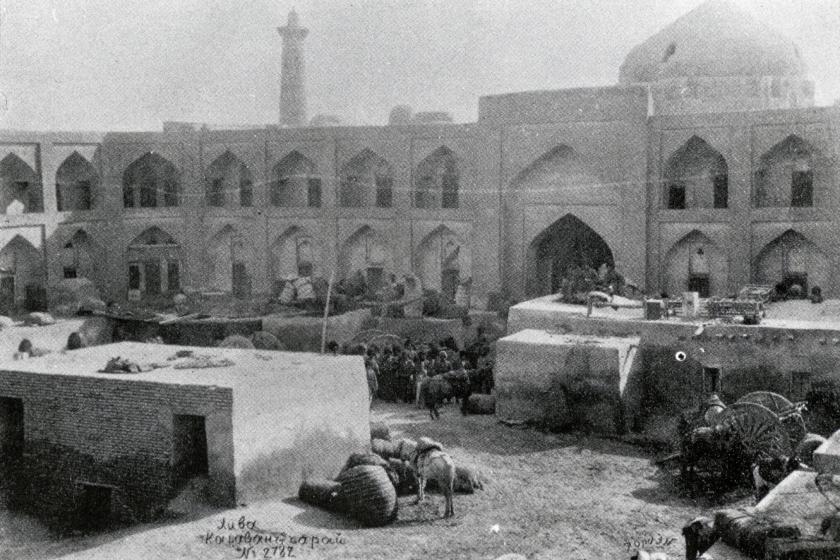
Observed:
{"x":116,"y":432}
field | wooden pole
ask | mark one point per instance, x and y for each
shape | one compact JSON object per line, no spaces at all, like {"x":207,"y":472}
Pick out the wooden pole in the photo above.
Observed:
{"x":327,"y":312}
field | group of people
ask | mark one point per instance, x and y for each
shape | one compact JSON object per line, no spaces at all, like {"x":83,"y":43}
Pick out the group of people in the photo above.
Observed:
{"x":396,"y":372}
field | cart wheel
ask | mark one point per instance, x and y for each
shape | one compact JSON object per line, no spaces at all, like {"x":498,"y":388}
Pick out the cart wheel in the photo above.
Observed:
{"x":756,"y":429}
{"x":774,"y":401}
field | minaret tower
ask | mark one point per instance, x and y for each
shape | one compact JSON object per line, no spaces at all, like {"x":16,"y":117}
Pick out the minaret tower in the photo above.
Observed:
{"x":292,"y":91}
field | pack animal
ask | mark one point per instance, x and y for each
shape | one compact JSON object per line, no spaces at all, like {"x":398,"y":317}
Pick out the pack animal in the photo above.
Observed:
{"x":430,"y":462}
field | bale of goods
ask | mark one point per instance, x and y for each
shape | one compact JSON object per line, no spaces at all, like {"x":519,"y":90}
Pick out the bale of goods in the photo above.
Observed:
{"x":357,"y":459}
{"x":809,"y":444}
{"x":287,"y":294}
{"x":236,"y":341}
{"x":750,"y":533}
{"x":405,"y":448}
{"x":305,"y":291}
{"x":368,"y":495}
{"x":481,"y":404}
{"x":321,"y":492}
{"x":380,"y":430}
{"x":407,"y":478}
{"x":266,"y":341}
{"x":384,"y":448}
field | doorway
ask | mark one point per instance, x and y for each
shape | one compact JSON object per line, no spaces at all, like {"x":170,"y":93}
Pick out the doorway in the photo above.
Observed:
{"x":93,"y":506}
{"x":11,"y":428}
{"x":189,"y":447}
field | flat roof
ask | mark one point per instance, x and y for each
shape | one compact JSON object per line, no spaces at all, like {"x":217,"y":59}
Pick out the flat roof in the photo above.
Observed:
{"x":248,"y":366}
{"x":538,"y":336}
{"x":795,"y":314}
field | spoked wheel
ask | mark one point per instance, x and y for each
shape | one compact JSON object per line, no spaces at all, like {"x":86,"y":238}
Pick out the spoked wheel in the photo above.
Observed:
{"x":756,"y":430}
{"x":774,"y":401}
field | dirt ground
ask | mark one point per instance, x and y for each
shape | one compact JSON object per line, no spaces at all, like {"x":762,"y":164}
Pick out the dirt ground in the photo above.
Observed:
{"x":548,"y":497}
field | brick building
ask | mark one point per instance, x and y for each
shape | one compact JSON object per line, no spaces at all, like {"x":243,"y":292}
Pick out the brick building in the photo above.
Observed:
{"x":123,"y":444}
{"x":706,"y":167}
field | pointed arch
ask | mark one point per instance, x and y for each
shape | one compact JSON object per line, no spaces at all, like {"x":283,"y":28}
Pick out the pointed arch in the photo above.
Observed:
{"x":228,"y":181}
{"x":151,"y":181}
{"x":695,"y":264}
{"x":20,"y":189}
{"x":76,"y":182}
{"x":792,"y":173}
{"x":154,"y":264}
{"x":295,"y":182}
{"x":366,"y":180}
{"x":227,"y":263}
{"x":366,"y":255}
{"x":22,"y":277}
{"x":78,"y":256}
{"x":792,"y":259}
{"x":696,"y":176}
{"x":567,"y":245}
{"x":294,"y":253}
{"x":443,"y":261}
{"x":437,"y":180}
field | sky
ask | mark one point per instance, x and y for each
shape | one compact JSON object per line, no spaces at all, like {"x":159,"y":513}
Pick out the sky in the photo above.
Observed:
{"x":116,"y":65}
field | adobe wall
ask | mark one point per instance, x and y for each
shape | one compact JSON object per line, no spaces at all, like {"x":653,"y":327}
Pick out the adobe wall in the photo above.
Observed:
{"x":562,"y":381}
{"x":64,"y":418}
{"x":750,"y":358}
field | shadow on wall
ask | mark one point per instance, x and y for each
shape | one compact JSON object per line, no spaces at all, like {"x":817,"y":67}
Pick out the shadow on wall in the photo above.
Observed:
{"x":315,"y":453}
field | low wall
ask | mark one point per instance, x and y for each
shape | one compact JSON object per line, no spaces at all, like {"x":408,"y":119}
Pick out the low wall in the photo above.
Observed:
{"x":567,"y":381}
{"x":748,"y":357}
{"x":303,"y":334}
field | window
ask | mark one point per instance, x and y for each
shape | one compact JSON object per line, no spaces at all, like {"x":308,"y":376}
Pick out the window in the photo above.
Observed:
{"x":384,"y":192}
{"x":314,"y":193}
{"x":246,"y":193}
{"x":800,"y":384}
{"x":280,"y":187}
{"x":669,"y":52}
{"x":711,"y":380}
{"x":128,"y":196}
{"x":70,"y":272}
{"x":148,"y":195}
{"x":151,"y":270}
{"x":216,"y":194}
{"x":450,"y":190}
{"x":133,"y":276}
{"x":721,"y":191}
{"x":802,"y":189}
{"x":173,"y":275}
{"x":170,"y":193}
{"x":676,"y":197}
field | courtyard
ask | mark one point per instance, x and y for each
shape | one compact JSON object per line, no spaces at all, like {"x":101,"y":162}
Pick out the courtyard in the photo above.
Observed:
{"x":546,"y":496}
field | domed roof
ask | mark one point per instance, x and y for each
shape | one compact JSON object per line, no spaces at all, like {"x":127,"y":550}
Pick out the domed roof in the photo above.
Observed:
{"x":715,"y":39}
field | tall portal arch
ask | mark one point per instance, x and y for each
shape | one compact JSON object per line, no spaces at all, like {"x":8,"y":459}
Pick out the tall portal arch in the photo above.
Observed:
{"x":368,"y":253}
{"x":565,"y":244}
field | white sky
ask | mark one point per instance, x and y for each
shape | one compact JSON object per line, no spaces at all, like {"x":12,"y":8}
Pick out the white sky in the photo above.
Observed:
{"x":132,"y":64}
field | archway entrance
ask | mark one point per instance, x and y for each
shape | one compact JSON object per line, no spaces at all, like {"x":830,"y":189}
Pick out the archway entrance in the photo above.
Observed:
{"x":566,"y":244}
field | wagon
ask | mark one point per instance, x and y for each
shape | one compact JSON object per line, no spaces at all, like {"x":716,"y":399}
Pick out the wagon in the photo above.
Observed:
{"x":759,"y":425}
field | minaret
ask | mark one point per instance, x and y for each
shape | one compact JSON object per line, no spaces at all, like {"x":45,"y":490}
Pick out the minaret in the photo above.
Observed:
{"x":292,"y":92}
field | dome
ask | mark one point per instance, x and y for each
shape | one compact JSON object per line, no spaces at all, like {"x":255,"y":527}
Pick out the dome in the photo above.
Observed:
{"x":716,"y":39}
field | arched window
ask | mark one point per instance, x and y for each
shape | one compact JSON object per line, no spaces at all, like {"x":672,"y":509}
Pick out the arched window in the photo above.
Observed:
{"x":437,"y":180}
{"x":20,"y":189}
{"x":788,"y":175}
{"x":75,"y":182}
{"x":150,"y":182}
{"x":227,"y":180}
{"x":295,"y":183}
{"x":154,"y":264}
{"x":366,"y":180}
{"x":696,"y":176}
